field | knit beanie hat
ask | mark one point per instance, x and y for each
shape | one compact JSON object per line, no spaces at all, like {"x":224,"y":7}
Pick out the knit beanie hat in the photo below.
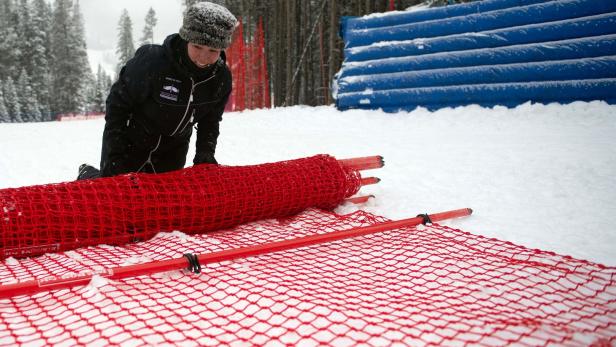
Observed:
{"x":209,"y":24}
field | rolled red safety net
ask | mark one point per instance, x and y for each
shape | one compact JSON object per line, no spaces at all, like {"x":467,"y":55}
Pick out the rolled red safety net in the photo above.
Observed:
{"x":133,"y":207}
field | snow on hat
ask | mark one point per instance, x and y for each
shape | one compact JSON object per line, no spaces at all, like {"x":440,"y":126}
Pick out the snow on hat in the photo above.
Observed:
{"x":209,"y":24}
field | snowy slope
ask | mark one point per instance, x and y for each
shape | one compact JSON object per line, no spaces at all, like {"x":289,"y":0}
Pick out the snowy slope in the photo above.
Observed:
{"x":541,"y":176}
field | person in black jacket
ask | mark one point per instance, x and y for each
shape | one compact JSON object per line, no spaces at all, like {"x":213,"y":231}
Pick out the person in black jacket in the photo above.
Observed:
{"x":162,"y":92}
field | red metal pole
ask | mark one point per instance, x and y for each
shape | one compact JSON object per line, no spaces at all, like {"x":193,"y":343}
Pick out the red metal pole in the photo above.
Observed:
{"x":240,"y":87}
{"x":364,"y":163}
{"x":232,"y":64}
{"x":359,"y":199}
{"x":369,"y":180}
{"x":264,"y":82}
{"x":72,"y":280}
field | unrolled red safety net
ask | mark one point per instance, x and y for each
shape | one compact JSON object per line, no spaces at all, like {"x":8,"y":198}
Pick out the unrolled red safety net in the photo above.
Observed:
{"x":405,"y":285}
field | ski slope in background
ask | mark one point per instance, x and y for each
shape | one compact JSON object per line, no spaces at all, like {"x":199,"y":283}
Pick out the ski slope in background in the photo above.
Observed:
{"x":543,"y":176}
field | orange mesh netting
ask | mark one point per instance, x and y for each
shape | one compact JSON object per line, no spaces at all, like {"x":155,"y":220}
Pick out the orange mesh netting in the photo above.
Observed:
{"x":133,"y":207}
{"x":426,"y":285}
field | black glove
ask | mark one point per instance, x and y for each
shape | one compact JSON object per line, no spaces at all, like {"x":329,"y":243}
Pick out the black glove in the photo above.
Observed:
{"x":205,"y":158}
{"x":87,"y":172}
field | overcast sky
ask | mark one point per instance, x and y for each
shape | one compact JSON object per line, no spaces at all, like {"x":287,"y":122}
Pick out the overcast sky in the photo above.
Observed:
{"x":101,"y":20}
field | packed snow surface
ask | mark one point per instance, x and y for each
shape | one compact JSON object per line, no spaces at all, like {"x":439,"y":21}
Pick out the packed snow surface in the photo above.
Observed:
{"x":543,"y":176}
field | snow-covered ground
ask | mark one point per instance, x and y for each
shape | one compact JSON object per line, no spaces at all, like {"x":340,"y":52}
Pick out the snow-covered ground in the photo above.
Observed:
{"x":541,"y":176}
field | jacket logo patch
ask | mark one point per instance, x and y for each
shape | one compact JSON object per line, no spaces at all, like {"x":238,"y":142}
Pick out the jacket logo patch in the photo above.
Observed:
{"x":170,"y":91}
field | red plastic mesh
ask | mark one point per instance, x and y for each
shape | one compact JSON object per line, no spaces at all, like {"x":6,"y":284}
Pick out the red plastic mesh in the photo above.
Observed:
{"x":117,"y":210}
{"x":248,"y":63}
{"x":411,"y":286}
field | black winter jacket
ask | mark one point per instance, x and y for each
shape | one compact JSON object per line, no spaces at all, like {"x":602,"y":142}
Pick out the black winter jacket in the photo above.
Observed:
{"x":160,"y":94}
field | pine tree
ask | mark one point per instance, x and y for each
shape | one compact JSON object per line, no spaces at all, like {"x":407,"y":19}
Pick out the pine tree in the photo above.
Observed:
{"x":103,"y":84}
{"x":11,"y":101}
{"x":24,"y":31}
{"x":126,"y":46}
{"x":10,"y":47}
{"x":5,"y":7}
{"x":84,"y":73}
{"x":64,"y":84}
{"x":99,"y":98}
{"x":108,"y":83}
{"x":4,"y":114}
{"x":69,"y":64}
{"x":27,"y":99}
{"x":148,"y":29}
{"x":38,"y":67}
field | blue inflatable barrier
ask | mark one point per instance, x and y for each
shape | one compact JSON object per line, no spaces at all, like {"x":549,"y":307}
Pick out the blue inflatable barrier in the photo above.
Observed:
{"x":401,"y":18}
{"x":507,"y":94}
{"x":491,"y":103}
{"x":492,"y":52}
{"x":560,"y":70}
{"x":595,"y":46}
{"x":553,"y":31}
{"x":505,"y":18}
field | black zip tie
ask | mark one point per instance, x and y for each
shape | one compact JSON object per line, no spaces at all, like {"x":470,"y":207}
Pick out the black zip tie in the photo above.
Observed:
{"x":426,"y":218}
{"x":193,"y":263}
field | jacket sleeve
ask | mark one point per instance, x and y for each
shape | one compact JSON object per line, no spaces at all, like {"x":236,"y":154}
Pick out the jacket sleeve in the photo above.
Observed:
{"x":127,"y":93}
{"x":208,"y":130}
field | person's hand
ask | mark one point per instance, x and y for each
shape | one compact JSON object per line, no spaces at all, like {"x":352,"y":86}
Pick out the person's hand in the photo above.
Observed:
{"x":205,"y":158}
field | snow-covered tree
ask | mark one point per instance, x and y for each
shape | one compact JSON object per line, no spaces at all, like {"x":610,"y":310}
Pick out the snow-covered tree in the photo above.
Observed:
{"x":28,"y":104}
{"x":126,"y":47}
{"x":10,"y":47}
{"x":148,"y":29}
{"x":4,"y":114}
{"x":64,"y":83}
{"x":12,"y":101}
{"x":43,"y":10}
{"x":98,"y":103}
{"x":103,"y":84}
{"x":78,"y":43}
{"x":33,"y":61}
{"x":69,"y":56}
{"x":24,"y":30}
{"x":38,"y":52}
{"x":5,"y":7}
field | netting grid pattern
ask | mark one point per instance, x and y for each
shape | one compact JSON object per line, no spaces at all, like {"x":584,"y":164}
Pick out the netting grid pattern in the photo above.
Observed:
{"x":412,"y":286}
{"x":134,"y":207}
